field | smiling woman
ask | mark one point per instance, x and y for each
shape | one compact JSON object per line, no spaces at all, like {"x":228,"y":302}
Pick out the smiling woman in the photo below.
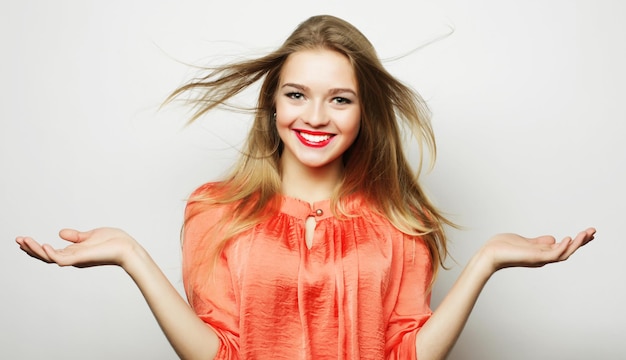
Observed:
{"x":321,"y":243}
{"x":318,"y":115}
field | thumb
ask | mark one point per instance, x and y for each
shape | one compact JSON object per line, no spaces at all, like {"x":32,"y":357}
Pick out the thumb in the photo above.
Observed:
{"x":545,"y":239}
{"x":73,"y":235}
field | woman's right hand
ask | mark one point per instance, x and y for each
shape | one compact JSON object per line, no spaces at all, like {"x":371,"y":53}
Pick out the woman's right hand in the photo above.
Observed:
{"x":187,"y":333}
{"x":102,"y":246}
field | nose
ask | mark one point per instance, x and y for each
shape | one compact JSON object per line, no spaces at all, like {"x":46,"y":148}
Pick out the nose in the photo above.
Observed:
{"x":316,"y":115}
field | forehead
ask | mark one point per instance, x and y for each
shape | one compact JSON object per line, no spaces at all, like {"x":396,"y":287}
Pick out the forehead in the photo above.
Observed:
{"x":319,"y":67}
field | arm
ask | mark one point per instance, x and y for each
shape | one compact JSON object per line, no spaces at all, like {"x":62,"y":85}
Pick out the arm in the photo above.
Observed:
{"x":439,"y":334}
{"x":188,"y":335}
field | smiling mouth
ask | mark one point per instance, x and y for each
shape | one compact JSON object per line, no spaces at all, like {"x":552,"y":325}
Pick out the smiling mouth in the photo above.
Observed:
{"x":314,"y":139}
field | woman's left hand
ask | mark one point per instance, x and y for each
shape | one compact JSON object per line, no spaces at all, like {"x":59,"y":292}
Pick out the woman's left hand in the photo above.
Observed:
{"x":510,"y":250}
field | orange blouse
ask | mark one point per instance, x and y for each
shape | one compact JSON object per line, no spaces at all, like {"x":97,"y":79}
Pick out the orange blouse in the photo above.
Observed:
{"x":359,"y":292}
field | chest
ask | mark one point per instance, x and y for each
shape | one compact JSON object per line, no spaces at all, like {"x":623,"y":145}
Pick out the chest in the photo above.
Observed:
{"x":276,"y":260}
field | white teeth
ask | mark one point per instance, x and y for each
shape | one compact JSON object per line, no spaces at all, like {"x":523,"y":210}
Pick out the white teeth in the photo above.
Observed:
{"x":315,"y":138}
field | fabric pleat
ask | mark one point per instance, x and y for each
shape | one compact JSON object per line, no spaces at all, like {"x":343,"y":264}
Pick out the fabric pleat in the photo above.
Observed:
{"x":361,"y":291}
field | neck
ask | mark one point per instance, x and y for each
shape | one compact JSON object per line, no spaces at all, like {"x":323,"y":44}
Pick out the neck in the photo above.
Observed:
{"x":311,"y":184}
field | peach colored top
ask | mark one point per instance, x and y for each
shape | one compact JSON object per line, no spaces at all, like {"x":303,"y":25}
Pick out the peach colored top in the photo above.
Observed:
{"x":359,"y":292}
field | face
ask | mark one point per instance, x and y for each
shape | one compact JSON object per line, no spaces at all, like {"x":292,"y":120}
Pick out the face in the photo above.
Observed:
{"x":317,"y":108}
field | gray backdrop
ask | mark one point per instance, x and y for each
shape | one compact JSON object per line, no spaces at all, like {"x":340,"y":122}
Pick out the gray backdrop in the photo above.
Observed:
{"x":527,"y":99}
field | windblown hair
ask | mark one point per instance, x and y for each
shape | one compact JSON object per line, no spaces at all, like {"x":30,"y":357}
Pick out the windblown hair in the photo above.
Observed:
{"x":374,"y":166}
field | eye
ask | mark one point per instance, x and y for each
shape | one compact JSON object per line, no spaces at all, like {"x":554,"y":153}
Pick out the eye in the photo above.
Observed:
{"x":341,"y":100}
{"x":295,"y":95}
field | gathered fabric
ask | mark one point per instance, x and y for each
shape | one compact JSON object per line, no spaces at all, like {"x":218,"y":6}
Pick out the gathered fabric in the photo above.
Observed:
{"x":360,"y":291}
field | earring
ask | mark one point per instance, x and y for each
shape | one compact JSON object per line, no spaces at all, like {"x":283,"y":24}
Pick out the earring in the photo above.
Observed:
{"x":274,"y":117}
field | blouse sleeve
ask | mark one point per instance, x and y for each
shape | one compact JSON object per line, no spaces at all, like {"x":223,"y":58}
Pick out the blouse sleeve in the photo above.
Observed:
{"x":412,"y":308}
{"x":207,"y":279}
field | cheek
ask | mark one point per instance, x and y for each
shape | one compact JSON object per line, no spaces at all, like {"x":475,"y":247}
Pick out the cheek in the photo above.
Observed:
{"x":356,"y":130}
{"x":353,"y":124}
{"x":282,"y":126}
{"x":286,"y":114}
{"x":281,"y":121}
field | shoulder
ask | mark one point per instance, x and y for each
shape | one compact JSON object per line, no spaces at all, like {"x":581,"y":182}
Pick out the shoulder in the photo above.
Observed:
{"x":206,"y":190}
{"x":203,"y":209}
{"x":205,"y":197}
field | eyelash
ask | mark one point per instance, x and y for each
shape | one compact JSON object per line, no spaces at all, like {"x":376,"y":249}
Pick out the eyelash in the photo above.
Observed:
{"x":294,"y":95}
{"x":342,"y":100}
{"x":298,"y":95}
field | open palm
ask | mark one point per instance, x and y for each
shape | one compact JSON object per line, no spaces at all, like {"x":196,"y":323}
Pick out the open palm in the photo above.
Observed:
{"x":102,"y":246}
{"x":509,"y":250}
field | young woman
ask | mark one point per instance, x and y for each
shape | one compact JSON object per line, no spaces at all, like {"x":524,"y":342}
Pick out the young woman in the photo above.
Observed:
{"x":320,"y":244}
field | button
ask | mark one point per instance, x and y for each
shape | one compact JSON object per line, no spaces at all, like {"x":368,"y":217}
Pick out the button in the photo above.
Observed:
{"x":319,"y":212}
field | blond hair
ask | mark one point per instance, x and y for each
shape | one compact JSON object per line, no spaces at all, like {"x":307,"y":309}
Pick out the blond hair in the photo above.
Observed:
{"x":375,"y":165}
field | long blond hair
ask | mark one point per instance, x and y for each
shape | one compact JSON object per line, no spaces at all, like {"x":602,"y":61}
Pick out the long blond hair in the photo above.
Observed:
{"x":375,"y":165}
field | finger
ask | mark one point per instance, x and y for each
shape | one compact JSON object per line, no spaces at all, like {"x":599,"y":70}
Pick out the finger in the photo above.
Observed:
{"x":561,"y":248}
{"x":33,"y":249}
{"x":582,"y":238}
{"x":574,"y":244}
{"x":60,"y":257}
{"x":590,"y":232}
{"x":74,"y":255}
{"x":550,"y":253}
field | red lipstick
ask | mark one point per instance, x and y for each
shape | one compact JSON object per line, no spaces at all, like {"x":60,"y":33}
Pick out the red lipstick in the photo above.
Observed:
{"x":316,"y":139}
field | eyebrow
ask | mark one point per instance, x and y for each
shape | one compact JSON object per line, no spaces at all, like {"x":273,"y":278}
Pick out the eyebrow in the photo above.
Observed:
{"x":332,"y":91}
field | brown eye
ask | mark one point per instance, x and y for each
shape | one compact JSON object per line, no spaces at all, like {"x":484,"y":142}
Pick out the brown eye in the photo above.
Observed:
{"x":294,"y":95}
{"x":342,"y":100}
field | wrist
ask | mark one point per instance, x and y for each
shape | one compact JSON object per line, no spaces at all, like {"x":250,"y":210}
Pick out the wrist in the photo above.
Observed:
{"x":134,"y":258}
{"x":482,"y":263}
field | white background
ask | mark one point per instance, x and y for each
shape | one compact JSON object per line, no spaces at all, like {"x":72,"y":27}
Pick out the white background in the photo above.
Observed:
{"x":528,"y":110}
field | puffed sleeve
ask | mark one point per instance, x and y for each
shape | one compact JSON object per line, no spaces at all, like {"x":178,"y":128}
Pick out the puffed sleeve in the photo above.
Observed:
{"x":412,"y":307}
{"x":207,"y":279}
